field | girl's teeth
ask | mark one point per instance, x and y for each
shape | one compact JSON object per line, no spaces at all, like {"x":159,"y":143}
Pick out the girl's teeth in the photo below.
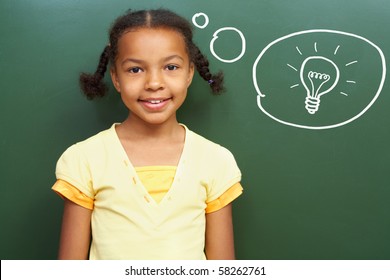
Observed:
{"x":155,"y":101}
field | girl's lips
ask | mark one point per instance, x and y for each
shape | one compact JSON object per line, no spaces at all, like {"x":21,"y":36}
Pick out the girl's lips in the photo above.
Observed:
{"x":155,"y":104}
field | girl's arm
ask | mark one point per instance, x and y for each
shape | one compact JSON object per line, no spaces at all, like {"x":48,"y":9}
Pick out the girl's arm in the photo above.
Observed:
{"x":75,"y":232}
{"x":219,"y":234}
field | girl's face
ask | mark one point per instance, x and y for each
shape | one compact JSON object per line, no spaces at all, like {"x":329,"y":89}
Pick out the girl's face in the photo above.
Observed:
{"x":152,"y":73}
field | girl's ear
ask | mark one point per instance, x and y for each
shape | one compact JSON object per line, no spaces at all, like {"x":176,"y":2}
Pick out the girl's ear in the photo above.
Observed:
{"x":114,"y":79}
{"x":190,"y":74}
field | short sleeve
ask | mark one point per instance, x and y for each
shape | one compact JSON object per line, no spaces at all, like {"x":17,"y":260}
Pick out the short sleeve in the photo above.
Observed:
{"x":66,"y":190}
{"x":227,"y":197}
{"x":73,"y":168}
{"x":225,"y":174}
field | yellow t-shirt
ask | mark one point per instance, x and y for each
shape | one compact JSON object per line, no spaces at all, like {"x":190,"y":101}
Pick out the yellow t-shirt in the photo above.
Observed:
{"x":127,"y":223}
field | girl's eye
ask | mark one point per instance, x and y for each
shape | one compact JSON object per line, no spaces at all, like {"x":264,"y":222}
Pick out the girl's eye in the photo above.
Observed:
{"x":135,"y":70}
{"x":172,"y":67}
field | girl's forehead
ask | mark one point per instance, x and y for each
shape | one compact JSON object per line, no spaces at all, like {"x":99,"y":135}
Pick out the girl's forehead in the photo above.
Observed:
{"x":145,"y":32}
{"x":148,"y":39}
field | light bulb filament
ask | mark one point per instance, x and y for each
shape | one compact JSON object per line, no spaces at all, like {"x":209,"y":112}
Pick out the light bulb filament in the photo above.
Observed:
{"x":317,"y":78}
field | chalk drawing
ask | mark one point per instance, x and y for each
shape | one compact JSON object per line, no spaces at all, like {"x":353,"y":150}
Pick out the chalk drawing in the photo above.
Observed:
{"x":315,"y":89}
{"x":215,"y":37}
{"x":243,"y":44}
{"x":206,"y":20}
{"x":319,"y":74}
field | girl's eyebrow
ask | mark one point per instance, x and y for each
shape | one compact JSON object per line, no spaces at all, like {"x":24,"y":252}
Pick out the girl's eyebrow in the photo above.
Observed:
{"x":139,"y":61}
{"x":173,"y":56}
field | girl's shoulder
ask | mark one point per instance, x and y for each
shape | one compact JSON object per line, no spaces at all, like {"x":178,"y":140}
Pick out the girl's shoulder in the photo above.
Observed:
{"x":92,"y":145}
{"x":205,"y":147}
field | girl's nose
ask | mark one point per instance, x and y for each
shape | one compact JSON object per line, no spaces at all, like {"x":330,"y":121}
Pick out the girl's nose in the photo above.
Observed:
{"x":154,"y":81}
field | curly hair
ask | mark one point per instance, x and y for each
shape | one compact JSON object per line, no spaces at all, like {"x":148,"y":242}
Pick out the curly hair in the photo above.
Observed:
{"x":93,"y":84}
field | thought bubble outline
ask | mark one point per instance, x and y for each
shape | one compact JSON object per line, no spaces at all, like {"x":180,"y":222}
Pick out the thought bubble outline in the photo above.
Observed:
{"x":243,"y":44}
{"x":206,"y":19}
{"x":261,"y":95}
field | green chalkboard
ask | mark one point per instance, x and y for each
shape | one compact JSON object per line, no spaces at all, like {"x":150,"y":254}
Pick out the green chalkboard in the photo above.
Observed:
{"x":316,"y":177}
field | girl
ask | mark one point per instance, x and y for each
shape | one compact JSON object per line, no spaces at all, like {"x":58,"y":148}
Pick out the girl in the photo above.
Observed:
{"x":148,"y":188}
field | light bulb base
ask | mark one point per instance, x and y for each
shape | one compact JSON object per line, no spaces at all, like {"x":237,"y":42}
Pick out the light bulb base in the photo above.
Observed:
{"x":312,"y":104}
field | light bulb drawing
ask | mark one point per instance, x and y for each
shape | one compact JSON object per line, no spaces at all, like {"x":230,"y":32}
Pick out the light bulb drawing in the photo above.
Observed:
{"x":317,"y":83}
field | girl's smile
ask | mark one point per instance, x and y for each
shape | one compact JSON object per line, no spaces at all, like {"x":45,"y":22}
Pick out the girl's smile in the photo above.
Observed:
{"x":155,"y":104}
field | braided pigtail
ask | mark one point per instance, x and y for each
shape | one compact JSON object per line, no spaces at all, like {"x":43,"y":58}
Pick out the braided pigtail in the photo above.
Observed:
{"x":92,"y":84}
{"x":202,"y":66}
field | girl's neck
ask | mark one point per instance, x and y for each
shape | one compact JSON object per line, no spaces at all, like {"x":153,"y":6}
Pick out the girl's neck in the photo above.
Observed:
{"x":134,"y":129}
{"x":152,"y":144}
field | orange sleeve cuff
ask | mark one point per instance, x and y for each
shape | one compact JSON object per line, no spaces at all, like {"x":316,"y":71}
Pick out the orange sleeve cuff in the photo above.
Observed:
{"x":66,"y":190}
{"x":231,"y":194}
